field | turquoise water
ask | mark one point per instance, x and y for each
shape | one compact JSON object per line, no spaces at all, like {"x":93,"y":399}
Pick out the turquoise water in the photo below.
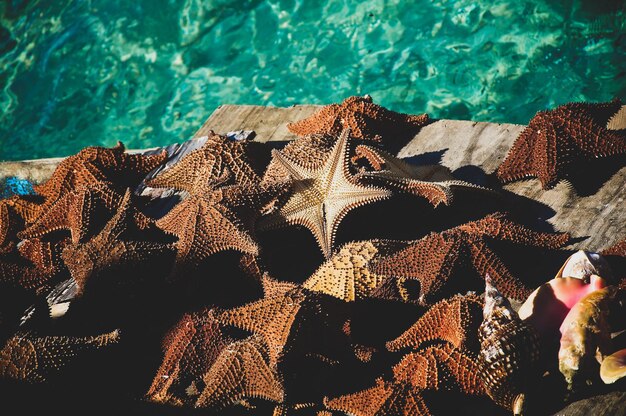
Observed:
{"x":148,"y":72}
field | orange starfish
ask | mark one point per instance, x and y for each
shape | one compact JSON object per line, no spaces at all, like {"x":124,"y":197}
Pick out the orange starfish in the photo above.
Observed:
{"x":556,"y":139}
{"x":191,"y":348}
{"x":121,"y":245}
{"x":218,"y":158}
{"x":364,"y":118}
{"x":433,"y":259}
{"x":240,"y":372}
{"x":454,"y":321}
{"x":323,"y":196}
{"x":36,"y":359}
{"x":433,"y":182}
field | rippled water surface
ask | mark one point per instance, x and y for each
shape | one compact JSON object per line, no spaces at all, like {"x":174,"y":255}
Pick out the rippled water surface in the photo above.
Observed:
{"x":148,"y":72}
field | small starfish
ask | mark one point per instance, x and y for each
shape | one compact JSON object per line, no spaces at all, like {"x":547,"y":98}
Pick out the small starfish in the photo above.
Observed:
{"x":322,"y":197}
{"x":240,"y":372}
{"x":212,"y":161}
{"x":83,"y":212}
{"x":271,"y":318}
{"x":364,"y":118}
{"x":433,"y":182}
{"x":454,"y":321}
{"x":433,"y":259}
{"x":191,"y":348}
{"x":111,"y":250}
{"x":556,"y":139}
{"x":36,"y":359}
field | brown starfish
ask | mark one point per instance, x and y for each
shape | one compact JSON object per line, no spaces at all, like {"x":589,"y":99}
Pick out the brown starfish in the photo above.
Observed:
{"x":364,"y":118}
{"x":121,"y":245}
{"x":219,"y":156}
{"x":95,"y":164}
{"x":323,"y":196}
{"x":433,"y":182}
{"x":433,"y":259}
{"x":454,"y":321}
{"x":191,"y":348}
{"x":46,"y":258}
{"x":556,"y":139}
{"x":35,"y":359}
{"x":240,"y":372}
{"x":83,"y":212}
{"x":617,"y":249}
{"x":271,"y":318}
{"x":10,"y":223}
{"x":204,"y":226}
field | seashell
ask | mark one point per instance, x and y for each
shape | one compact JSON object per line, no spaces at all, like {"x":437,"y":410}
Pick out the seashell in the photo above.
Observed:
{"x":613,"y":367}
{"x":585,"y":337}
{"x":546,"y":308}
{"x":583,"y":264}
{"x":509,"y":352}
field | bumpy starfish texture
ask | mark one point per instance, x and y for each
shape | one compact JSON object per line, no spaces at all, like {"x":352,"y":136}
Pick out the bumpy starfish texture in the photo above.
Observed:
{"x":209,"y":163}
{"x":240,"y":372}
{"x":556,"y":139}
{"x":10,"y":223}
{"x":384,"y":399}
{"x":35,"y":359}
{"x":617,"y":249}
{"x":345,"y":275}
{"x":95,"y":164}
{"x":454,"y":321}
{"x":83,"y":212}
{"x":205,"y":226}
{"x":433,"y":182}
{"x":47,"y":261}
{"x":364,"y":118}
{"x":433,"y":259}
{"x":191,"y":348}
{"x":322,"y":197}
{"x":118,"y":246}
{"x":270,"y":318}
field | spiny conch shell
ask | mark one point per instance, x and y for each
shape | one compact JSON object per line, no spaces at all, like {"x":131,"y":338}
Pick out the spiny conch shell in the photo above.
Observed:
{"x":546,"y":308}
{"x":613,"y":367}
{"x":585,"y":337}
{"x":583,"y":264}
{"x":509,"y":352}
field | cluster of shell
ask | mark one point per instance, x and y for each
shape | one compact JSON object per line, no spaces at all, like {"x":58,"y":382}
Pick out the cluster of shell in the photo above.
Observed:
{"x":564,"y":322}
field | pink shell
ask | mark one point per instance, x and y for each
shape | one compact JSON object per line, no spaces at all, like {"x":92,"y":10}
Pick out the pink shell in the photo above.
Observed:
{"x":549,"y":304}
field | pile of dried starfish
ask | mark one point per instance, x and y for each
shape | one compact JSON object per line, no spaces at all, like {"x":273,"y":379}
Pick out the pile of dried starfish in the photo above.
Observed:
{"x":188,"y":307}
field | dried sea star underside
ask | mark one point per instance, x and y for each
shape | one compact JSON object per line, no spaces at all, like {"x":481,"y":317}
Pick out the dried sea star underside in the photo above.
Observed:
{"x":556,"y":139}
{"x":433,"y":182}
{"x":434,"y":259}
{"x":35,"y":359}
{"x":240,"y":372}
{"x":244,"y":161}
{"x":323,"y":196}
{"x":364,"y":118}
{"x":454,"y":321}
{"x":191,"y":348}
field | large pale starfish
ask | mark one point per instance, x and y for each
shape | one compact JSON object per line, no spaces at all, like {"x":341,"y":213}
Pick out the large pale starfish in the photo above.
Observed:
{"x":121,"y":245}
{"x":191,"y":348}
{"x":35,"y":359}
{"x":217,"y":157}
{"x":556,"y":139}
{"x":433,"y":259}
{"x":365,"y":119}
{"x":323,"y":196}
{"x":240,"y":372}
{"x":433,"y":182}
